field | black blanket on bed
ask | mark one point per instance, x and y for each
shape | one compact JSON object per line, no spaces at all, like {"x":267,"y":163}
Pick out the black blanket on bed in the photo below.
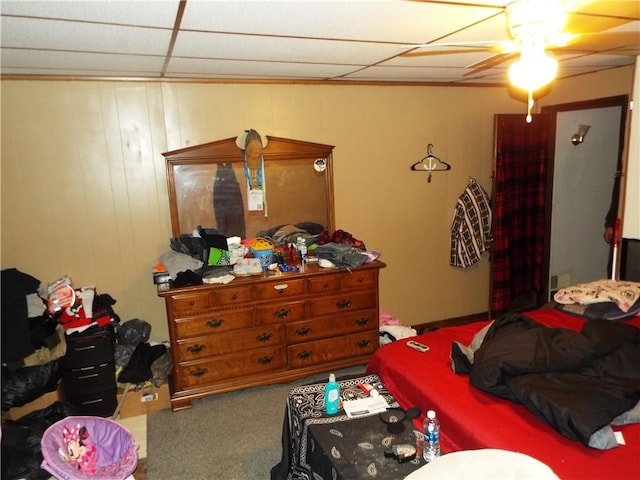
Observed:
{"x":577,"y":382}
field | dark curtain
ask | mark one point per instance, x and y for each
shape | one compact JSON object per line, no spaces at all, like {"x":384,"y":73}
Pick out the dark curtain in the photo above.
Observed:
{"x":522,"y":152}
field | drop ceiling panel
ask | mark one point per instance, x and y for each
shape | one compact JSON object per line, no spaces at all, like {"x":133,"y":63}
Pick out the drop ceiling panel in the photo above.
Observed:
{"x":243,"y":47}
{"x":291,"y":39}
{"x":594,"y":60}
{"x":379,"y":21}
{"x":145,"y":13}
{"x":416,"y":74}
{"x":69,"y":63}
{"x":28,"y":33}
{"x":492,"y":29}
{"x":254,"y":69}
{"x":439,"y":60}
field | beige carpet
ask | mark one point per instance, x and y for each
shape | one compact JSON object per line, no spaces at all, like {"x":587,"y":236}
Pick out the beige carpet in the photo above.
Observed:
{"x":233,"y":436}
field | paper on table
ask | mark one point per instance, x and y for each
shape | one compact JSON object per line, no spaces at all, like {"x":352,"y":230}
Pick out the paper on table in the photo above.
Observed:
{"x":365,"y":406}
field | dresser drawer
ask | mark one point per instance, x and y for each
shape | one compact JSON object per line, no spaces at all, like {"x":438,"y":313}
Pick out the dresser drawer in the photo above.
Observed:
{"x":217,"y":322}
{"x":269,"y":329}
{"x":231,"y":296}
{"x":101,"y":404}
{"x":280,"y":313}
{"x":184,"y":304}
{"x":321,"y":351}
{"x":88,"y":350}
{"x":230,"y":366}
{"x":325,"y":284}
{"x":277,"y":290}
{"x":347,"y":302}
{"x":356,"y":279}
{"x":95,"y":378}
{"x":239,"y":341}
{"x":325,"y":327}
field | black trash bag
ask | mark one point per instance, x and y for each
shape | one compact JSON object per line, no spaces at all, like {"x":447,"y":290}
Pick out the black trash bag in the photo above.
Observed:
{"x":161,"y":368}
{"x":138,"y":370}
{"x":21,"y":450}
{"x":134,"y":332}
{"x":122,"y":354}
{"x":28,"y":383}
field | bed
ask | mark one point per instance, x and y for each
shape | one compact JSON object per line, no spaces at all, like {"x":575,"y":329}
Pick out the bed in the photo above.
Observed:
{"x":473,"y":419}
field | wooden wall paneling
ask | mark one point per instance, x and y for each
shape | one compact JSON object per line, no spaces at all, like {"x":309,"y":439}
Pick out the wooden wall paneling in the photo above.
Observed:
{"x":158,"y":134}
{"x":171,"y":116}
{"x":65,"y":189}
{"x":35,"y":129}
{"x":114,"y":260}
{"x":139,"y":177}
{"x":97,"y":208}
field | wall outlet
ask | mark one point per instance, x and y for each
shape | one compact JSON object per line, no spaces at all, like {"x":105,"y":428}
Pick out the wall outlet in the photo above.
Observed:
{"x":564,"y":280}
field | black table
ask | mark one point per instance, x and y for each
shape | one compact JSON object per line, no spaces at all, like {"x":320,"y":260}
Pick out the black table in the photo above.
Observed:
{"x":316,"y":445}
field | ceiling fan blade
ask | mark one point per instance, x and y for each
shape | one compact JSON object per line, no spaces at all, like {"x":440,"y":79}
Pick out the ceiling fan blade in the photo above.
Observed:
{"x":490,"y":62}
{"x":445,"y":51}
{"x":621,"y":43}
{"x":478,"y":43}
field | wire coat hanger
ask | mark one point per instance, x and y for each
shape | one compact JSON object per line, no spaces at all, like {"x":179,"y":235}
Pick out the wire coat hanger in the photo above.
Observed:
{"x":430,"y":163}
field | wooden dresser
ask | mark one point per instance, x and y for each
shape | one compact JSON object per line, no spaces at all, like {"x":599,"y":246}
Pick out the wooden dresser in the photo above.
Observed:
{"x":263,"y":330}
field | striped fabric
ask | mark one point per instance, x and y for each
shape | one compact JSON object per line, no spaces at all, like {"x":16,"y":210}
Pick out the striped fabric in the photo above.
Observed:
{"x":471,"y":228}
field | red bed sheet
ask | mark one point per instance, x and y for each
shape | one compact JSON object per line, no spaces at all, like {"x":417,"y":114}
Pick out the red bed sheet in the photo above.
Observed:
{"x":473,"y":419}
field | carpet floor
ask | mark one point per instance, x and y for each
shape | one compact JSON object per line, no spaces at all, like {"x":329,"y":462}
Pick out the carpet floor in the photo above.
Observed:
{"x":232,"y":436}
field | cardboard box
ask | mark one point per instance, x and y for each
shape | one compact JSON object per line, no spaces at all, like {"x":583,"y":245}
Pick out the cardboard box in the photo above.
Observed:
{"x":39,"y":403}
{"x":135,"y":404}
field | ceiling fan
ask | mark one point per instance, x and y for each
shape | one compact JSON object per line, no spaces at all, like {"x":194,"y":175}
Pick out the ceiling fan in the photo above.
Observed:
{"x":539,"y":27}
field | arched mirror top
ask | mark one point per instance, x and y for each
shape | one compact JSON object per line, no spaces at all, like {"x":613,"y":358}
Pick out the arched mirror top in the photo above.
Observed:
{"x":208,"y":186}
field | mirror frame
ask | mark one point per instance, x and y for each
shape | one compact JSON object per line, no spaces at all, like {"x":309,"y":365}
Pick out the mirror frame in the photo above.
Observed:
{"x":227,"y":151}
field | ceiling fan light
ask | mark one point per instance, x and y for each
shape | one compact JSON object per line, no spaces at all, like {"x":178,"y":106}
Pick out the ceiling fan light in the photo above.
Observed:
{"x":533,"y":71}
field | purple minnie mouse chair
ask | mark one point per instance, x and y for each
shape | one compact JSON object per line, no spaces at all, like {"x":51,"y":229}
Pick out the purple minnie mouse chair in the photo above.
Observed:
{"x":83,"y":447}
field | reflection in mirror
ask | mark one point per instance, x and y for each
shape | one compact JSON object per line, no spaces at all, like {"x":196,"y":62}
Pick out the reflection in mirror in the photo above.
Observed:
{"x":208,"y":188}
{"x":215,"y":196}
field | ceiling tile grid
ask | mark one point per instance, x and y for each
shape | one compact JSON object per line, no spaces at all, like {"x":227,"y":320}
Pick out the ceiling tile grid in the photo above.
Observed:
{"x":310,"y":40}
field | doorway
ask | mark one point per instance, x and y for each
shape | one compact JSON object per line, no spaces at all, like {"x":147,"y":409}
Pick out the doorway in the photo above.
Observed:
{"x":567,"y":197}
{"x":585,"y":171}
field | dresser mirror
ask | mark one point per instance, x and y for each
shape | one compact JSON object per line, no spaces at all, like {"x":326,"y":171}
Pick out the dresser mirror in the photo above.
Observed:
{"x":208,"y":187}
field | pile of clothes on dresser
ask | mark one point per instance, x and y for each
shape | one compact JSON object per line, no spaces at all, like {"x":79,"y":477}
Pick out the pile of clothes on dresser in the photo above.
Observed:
{"x":191,"y":259}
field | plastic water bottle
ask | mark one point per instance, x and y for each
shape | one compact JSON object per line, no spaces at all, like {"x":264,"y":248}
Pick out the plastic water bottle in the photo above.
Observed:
{"x":431,"y":442}
{"x":301,"y":246}
{"x":332,"y":395}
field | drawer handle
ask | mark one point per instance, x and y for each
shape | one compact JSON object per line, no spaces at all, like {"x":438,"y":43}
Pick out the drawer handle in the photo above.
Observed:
{"x":364,"y":343}
{"x":305,"y":354}
{"x":197,"y":348}
{"x":343,"y":304}
{"x":360,"y":279}
{"x":362,"y":321}
{"x":281,"y":287}
{"x":89,"y":402}
{"x":303,"y":331}
{"x":83,"y":377}
{"x":89,"y":347}
{"x":234,"y":297}
{"x":198,"y":372}
{"x":265,"y":337}
{"x":283,"y":313}
{"x":218,"y":322}
{"x":265,"y":360}
{"x":325,"y":285}
{"x":192,"y":303}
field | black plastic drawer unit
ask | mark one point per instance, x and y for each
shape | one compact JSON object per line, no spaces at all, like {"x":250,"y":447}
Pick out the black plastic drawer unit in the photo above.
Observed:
{"x":89,"y":372}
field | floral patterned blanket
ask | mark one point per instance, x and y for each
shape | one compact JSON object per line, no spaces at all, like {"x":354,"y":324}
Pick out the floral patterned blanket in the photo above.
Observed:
{"x":623,"y":293}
